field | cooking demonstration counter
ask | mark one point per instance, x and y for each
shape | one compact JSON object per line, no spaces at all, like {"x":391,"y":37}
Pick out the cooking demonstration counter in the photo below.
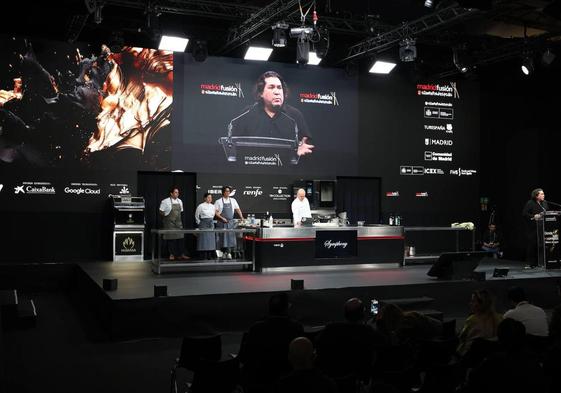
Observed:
{"x":293,"y":248}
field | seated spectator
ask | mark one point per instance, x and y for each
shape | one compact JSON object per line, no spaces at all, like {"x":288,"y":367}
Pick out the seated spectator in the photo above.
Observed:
{"x":552,"y":361}
{"x":532,"y":317}
{"x":403,"y":327}
{"x":492,"y":241}
{"x":264,"y":354}
{"x":510,"y":369}
{"x":483,"y":321}
{"x":304,"y":378}
{"x":347,"y":348}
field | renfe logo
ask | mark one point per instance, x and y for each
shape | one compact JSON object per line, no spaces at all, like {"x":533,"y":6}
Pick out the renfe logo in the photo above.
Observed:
{"x":338,"y":244}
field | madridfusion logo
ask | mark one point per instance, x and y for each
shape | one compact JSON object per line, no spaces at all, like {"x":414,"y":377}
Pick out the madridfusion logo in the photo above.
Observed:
{"x":319,"y":98}
{"x":434,"y":89}
{"x":220,"y":89}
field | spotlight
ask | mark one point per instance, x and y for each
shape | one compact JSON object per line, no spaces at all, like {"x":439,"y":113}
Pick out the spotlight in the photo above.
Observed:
{"x":459,"y":59}
{"x":98,"y":17}
{"x":199,"y":50}
{"x":279,"y":35}
{"x":429,"y":3}
{"x":302,"y":50}
{"x":527,"y":65}
{"x":407,"y":50}
{"x":548,"y":57}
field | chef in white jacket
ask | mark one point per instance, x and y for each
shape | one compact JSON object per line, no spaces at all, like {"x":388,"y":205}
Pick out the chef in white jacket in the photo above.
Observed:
{"x":300,"y":208}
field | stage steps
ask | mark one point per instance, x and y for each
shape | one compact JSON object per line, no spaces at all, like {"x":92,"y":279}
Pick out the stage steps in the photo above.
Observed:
{"x":17,"y":312}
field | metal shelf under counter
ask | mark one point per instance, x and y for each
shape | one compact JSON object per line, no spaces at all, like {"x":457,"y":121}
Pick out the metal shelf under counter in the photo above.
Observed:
{"x":314,"y":247}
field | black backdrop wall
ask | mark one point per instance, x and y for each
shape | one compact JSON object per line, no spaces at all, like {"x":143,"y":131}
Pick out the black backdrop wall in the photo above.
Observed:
{"x":520,"y":141}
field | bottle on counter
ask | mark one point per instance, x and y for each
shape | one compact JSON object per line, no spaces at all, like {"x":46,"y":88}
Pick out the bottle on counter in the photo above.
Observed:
{"x":391,"y":219}
{"x":397,"y":220}
{"x":271,"y":221}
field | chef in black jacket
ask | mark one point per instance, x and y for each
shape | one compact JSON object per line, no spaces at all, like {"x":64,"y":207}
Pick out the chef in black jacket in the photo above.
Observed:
{"x":533,"y":212}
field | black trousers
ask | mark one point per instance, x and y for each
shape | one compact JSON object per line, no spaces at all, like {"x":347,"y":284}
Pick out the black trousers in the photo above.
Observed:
{"x":176,"y":247}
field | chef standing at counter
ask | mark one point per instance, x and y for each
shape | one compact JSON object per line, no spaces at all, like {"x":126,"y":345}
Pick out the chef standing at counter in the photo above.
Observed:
{"x":225,"y":208}
{"x":204,"y":216}
{"x":300,"y":208}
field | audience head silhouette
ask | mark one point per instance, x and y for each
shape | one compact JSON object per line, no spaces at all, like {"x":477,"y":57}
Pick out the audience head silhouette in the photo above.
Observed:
{"x":517,"y":295}
{"x":279,"y":304}
{"x":354,"y":310}
{"x":301,"y":353}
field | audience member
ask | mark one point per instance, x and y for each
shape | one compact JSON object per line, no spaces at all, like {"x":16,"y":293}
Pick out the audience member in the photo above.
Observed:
{"x":402,"y":327}
{"x":510,"y":369}
{"x":552,"y":361}
{"x":304,"y":378}
{"x":264,"y":352}
{"x":347,"y":348}
{"x":483,"y":321}
{"x":532,"y":317}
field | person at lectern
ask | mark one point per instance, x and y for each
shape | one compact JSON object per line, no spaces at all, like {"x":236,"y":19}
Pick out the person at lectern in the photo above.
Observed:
{"x":300,"y":208}
{"x":533,"y":212}
{"x":204,"y":217}
{"x":225,"y":208}
{"x":170,"y":210}
{"x":271,"y":116}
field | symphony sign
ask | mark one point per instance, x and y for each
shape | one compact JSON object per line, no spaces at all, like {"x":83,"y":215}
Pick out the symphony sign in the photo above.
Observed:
{"x":336,"y":244}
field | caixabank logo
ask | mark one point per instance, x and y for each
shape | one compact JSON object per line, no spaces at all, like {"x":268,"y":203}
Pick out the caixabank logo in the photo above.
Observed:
{"x":319,"y":98}
{"x":221,"y":89}
{"x":35,"y":188}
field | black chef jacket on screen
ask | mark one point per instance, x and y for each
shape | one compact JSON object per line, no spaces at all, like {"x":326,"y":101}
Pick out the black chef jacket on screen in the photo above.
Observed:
{"x":288,"y":123}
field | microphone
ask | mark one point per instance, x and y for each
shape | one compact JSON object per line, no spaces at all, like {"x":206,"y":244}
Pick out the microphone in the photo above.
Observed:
{"x":552,"y":203}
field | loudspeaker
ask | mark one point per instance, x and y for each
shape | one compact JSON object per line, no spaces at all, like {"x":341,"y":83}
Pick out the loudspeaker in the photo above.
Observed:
{"x":500,"y":272}
{"x":296,"y":284}
{"x":160,"y":290}
{"x":457,"y":265}
{"x":110,"y":284}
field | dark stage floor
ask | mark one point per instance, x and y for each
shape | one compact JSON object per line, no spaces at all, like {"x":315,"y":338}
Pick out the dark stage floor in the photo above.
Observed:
{"x":136,"y":280}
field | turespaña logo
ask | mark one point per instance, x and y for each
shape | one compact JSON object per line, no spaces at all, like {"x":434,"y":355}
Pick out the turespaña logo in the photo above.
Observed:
{"x":219,"y":89}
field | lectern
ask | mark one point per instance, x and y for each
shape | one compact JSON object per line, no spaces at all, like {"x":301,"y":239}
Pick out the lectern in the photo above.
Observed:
{"x":547,"y":233}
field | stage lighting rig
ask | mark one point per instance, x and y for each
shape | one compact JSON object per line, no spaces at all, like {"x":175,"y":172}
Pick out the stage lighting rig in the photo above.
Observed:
{"x":407,"y":50}
{"x":279,"y":34}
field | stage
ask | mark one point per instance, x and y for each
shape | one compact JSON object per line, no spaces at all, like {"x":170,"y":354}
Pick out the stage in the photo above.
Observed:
{"x":217,"y":301}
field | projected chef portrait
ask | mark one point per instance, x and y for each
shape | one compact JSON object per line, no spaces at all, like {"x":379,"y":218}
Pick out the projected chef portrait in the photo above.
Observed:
{"x":270,"y":124}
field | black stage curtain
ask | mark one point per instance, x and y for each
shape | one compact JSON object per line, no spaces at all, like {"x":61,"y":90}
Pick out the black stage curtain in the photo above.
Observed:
{"x":360,"y":198}
{"x":155,"y":186}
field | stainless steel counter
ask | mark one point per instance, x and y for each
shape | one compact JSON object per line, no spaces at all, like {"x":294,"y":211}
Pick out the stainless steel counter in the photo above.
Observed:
{"x":378,"y":231}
